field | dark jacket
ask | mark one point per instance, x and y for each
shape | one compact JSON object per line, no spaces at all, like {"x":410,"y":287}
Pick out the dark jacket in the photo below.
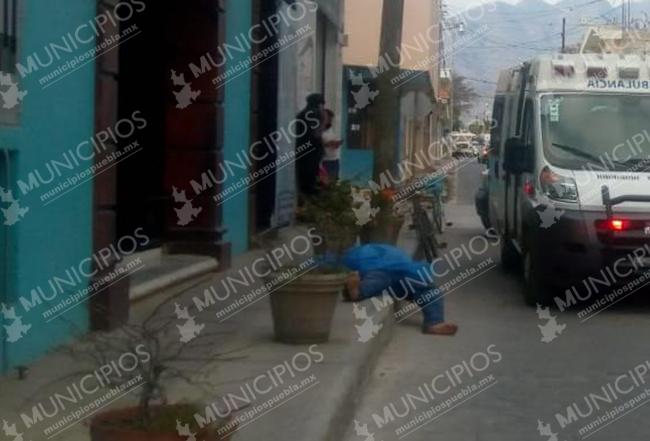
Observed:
{"x":309,"y":150}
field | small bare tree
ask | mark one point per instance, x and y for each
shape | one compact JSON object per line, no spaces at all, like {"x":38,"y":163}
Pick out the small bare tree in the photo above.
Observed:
{"x":173,"y":354}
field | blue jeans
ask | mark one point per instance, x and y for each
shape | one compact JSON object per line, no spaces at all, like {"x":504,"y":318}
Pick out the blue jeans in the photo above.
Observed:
{"x":376,"y":283}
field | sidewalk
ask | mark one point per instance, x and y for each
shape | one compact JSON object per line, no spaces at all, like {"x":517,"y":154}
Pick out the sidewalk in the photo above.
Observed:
{"x":299,"y":400}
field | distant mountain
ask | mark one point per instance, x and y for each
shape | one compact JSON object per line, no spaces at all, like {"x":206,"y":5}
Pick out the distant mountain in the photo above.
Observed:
{"x":499,"y":35}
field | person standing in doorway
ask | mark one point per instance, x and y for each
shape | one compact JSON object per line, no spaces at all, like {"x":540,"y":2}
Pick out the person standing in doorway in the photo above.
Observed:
{"x":309,"y":145}
{"x":332,"y":145}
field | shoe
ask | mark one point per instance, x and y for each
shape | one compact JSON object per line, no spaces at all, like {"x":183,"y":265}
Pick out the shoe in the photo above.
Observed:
{"x":444,"y":328}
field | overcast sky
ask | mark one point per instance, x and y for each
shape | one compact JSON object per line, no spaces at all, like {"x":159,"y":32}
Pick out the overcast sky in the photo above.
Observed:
{"x":462,"y":4}
{"x":455,"y":4}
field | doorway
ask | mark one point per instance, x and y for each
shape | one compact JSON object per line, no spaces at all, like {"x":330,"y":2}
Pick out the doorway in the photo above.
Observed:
{"x":143,"y":88}
{"x":175,"y":147}
{"x":264,"y":121}
{"x":179,"y":143}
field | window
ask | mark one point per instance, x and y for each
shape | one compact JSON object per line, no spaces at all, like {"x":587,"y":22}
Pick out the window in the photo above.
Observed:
{"x":9,"y":40}
{"x":8,"y":35}
{"x":529,"y":126}
{"x":497,"y":126}
{"x":608,"y":132}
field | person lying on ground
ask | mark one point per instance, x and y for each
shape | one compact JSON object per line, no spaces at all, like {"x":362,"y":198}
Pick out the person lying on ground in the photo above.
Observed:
{"x":384,"y":269}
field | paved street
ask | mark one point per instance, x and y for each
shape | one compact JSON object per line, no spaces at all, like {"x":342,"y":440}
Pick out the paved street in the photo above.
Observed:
{"x":532,"y":380}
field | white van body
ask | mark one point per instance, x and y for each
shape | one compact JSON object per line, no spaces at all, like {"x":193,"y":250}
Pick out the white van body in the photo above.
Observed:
{"x":576,"y":197}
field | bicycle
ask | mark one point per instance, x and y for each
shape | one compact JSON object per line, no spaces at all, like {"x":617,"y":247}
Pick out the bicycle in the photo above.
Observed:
{"x":437,"y":209}
{"x":422,"y":192}
{"x":424,"y":230}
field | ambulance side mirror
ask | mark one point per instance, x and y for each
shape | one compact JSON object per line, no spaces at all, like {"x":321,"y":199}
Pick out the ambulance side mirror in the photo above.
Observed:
{"x":518,"y":157}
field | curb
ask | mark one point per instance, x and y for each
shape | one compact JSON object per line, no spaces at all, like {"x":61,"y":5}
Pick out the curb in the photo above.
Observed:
{"x":349,"y":401}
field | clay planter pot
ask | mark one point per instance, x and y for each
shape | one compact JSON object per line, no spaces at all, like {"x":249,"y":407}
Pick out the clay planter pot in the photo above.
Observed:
{"x":303,"y":308}
{"x":113,"y":425}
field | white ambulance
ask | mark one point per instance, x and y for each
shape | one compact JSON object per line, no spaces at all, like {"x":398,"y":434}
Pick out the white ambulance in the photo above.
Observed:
{"x":569,"y":169}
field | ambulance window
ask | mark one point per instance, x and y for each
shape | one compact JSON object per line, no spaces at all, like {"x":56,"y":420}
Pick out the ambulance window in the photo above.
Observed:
{"x":497,"y":125}
{"x":529,"y":125}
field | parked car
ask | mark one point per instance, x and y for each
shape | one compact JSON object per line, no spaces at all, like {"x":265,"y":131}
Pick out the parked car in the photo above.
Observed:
{"x":463,"y":150}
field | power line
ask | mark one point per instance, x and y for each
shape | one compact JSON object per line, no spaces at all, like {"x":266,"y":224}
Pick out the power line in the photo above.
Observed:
{"x":542,"y":13}
{"x":534,"y":49}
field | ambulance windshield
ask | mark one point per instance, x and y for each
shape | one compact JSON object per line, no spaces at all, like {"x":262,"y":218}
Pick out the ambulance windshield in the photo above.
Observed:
{"x":608,"y":132}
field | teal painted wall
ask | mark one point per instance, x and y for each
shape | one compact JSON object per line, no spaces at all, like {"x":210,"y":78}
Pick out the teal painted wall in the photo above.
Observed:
{"x":237,"y":126}
{"x":356,"y":164}
{"x":50,"y":239}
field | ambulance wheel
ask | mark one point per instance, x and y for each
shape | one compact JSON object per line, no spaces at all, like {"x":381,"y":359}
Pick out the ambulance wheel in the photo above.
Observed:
{"x":510,"y":258}
{"x":536,"y":290}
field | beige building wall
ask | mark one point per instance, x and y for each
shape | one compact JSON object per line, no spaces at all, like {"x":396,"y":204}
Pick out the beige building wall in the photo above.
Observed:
{"x":612,"y":40}
{"x":362,"y":26}
{"x":421,"y":31}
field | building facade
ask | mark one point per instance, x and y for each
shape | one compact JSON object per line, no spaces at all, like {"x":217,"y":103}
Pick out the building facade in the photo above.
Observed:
{"x":131,"y":126}
{"x":418,"y":83}
{"x":42,"y":237}
{"x":612,"y":39}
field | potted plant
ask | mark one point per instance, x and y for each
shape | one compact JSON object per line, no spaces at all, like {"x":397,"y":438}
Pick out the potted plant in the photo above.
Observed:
{"x":304,"y":307}
{"x":171,"y":347}
{"x":386,"y":222}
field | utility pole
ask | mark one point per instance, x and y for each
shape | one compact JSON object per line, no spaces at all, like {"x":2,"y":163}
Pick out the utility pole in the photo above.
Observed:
{"x":387,"y":104}
{"x":563,"y":34}
{"x":629,"y":15}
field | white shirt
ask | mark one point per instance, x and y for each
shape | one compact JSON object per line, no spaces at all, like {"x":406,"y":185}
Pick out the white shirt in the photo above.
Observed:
{"x":331,"y":154}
